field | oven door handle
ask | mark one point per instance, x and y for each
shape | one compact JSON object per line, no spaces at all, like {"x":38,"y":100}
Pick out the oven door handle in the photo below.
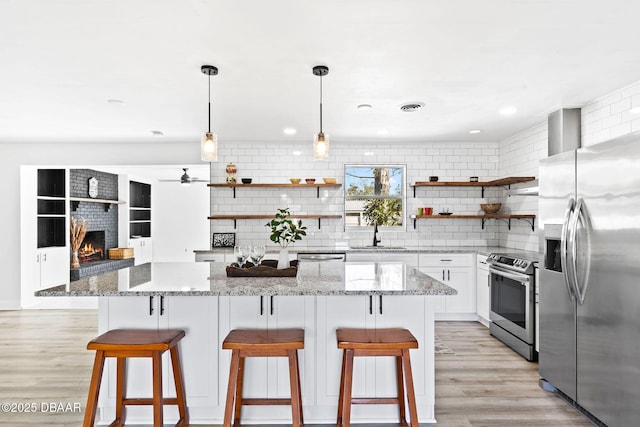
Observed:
{"x":522,"y":278}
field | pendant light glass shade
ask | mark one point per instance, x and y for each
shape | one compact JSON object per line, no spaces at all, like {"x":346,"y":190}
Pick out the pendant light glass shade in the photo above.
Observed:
{"x":321,"y":146}
{"x":320,"y":140}
{"x":209,"y":141}
{"x":209,"y":147}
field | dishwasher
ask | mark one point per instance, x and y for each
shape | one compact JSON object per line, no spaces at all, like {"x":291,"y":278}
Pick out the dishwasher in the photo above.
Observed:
{"x":322,"y":256}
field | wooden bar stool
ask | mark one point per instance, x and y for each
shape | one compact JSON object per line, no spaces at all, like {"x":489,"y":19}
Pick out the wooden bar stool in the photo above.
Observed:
{"x":376,"y":342}
{"x":262,"y":343}
{"x":124,"y":343}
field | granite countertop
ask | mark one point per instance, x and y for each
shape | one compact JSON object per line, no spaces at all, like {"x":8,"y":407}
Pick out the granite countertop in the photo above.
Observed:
{"x":210,"y":279}
{"x":484,"y":250}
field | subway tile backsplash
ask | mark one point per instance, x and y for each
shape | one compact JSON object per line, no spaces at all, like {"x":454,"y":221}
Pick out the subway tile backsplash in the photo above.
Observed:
{"x":279,"y":162}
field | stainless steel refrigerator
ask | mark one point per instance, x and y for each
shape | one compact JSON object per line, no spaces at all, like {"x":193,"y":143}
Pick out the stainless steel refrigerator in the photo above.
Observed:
{"x":590,"y":277}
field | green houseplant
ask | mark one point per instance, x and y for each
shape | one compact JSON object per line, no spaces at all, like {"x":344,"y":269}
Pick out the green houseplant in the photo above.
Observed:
{"x":285,"y":231}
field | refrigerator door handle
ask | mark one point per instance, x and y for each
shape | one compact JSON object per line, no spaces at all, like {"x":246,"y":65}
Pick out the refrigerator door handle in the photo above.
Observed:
{"x":563,"y":248}
{"x":580,"y":216}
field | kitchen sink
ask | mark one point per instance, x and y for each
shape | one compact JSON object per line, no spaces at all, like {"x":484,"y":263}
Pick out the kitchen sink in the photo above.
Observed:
{"x":378,"y":247}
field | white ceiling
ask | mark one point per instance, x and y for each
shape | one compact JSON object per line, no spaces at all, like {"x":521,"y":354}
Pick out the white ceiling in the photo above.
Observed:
{"x":60,"y":61}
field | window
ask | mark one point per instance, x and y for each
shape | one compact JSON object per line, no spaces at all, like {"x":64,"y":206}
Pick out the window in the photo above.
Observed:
{"x":374,"y":194}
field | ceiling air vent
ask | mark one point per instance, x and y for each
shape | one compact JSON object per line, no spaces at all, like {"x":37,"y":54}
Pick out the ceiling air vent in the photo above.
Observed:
{"x":411,"y":107}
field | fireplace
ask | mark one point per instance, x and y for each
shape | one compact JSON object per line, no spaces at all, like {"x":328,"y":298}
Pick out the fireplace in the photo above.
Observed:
{"x":92,"y":247}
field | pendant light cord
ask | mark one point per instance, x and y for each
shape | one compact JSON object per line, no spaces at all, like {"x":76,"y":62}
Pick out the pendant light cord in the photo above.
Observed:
{"x":320,"y":103}
{"x":209,"y":103}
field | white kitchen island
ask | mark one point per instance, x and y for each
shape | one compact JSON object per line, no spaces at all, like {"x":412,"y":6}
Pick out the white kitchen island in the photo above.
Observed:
{"x":202,"y":300}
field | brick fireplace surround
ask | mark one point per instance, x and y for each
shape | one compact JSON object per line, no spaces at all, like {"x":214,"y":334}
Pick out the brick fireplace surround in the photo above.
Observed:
{"x":100,"y":216}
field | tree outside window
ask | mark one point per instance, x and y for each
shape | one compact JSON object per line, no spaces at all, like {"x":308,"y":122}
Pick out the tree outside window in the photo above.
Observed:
{"x":374,"y":194}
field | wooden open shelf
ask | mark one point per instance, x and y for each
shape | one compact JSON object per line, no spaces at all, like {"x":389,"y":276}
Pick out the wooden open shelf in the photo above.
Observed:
{"x":501,"y":182}
{"x":235,"y":185}
{"x":503,"y":217}
{"x":234,"y":218}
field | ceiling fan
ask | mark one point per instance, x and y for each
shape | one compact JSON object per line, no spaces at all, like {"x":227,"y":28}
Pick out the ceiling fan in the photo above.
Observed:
{"x":185,"y":179}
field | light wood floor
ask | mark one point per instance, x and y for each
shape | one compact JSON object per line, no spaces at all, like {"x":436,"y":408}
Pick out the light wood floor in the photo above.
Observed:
{"x":43,"y":359}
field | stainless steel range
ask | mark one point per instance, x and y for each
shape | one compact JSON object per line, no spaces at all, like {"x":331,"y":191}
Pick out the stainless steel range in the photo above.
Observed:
{"x":512,"y":315}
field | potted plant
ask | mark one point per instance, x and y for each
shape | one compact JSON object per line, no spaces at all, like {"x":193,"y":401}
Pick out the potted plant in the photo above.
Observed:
{"x":283,"y":232}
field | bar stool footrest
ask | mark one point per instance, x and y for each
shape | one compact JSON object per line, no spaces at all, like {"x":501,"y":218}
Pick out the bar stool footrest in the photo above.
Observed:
{"x":375,"y":400}
{"x":257,"y":401}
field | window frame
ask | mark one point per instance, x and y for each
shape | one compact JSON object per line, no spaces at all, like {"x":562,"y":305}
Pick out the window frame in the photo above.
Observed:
{"x":402,"y":197}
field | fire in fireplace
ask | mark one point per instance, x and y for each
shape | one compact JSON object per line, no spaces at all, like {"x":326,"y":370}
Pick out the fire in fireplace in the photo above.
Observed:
{"x":92,"y":247}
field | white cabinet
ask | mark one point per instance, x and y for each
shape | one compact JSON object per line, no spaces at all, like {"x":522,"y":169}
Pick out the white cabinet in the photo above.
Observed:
{"x":268,"y":377}
{"x":142,"y":249}
{"x":209,"y":257}
{"x":408,"y":258}
{"x":52,"y":267}
{"x":198,"y":351}
{"x":373,"y":376}
{"x":456,"y":271}
{"x":483,"y":290}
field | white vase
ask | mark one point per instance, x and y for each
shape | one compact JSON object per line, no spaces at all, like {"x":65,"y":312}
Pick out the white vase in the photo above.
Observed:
{"x":283,"y":258}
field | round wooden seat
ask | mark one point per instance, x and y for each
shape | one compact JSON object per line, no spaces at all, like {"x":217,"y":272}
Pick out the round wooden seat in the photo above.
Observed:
{"x":125,"y":343}
{"x":376,"y":342}
{"x":262,"y":343}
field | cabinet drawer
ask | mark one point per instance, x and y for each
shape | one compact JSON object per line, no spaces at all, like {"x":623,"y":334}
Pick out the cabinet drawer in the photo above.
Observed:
{"x":446,"y":260}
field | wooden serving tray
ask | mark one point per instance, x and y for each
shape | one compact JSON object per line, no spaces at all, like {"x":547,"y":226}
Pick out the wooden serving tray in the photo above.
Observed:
{"x":267,"y":268}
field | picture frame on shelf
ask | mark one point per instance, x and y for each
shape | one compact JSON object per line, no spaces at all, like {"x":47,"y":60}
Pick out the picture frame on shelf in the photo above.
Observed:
{"x":223,"y":240}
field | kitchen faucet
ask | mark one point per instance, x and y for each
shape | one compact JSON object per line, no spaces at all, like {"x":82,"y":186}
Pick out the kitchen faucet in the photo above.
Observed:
{"x":375,"y":232}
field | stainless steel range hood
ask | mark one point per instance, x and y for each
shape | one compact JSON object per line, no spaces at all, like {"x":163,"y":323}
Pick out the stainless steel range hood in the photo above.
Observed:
{"x":564,"y":130}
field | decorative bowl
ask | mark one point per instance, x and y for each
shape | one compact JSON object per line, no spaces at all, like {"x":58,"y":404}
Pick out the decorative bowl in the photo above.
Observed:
{"x":329,"y":180}
{"x":490,"y":208}
{"x":295,"y":180}
{"x":310,"y":180}
{"x":246,"y":180}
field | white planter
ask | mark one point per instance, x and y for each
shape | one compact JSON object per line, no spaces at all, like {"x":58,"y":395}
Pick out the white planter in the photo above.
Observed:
{"x":283,"y":258}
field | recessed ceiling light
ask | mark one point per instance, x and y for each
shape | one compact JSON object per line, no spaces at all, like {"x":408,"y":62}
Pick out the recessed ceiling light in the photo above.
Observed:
{"x":509,"y":110}
{"x":635,"y":110}
{"x":364,"y":107}
{"x":289,"y":131}
{"x":474,"y":131}
{"x":383,"y":132}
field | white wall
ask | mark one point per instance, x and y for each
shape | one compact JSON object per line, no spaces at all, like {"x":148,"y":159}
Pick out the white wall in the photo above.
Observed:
{"x":179,"y":220}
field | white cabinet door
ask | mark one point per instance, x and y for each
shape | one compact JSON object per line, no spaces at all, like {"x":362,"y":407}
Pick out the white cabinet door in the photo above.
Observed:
{"x":198,"y":351}
{"x":455,"y":270}
{"x":482,"y":290}
{"x":142,"y":249}
{"x":335,"y":312}
{"x":268,"y":377}
{"x":373,"y":376}
{"x":53,"y":266}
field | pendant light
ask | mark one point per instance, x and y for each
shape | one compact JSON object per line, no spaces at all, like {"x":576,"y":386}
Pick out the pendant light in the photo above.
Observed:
{"x":320,"y":140}
{"x":209,"y":141}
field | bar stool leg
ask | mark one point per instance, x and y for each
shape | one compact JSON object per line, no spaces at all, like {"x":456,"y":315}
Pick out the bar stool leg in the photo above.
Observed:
{"x":341,"y":397}
{"x":239,"y":386}
{"x":299,"y":387}
{"x":121,"y":386}
{"x":293,"y":385}
{"x":348,"y":384}
{"x":157,"y":389}
{"x":413,"y":410}
{"x":94,"y":389}
{"x":401,"y":403}
{"x":178,"y":379}
{"x":231,"y":388}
